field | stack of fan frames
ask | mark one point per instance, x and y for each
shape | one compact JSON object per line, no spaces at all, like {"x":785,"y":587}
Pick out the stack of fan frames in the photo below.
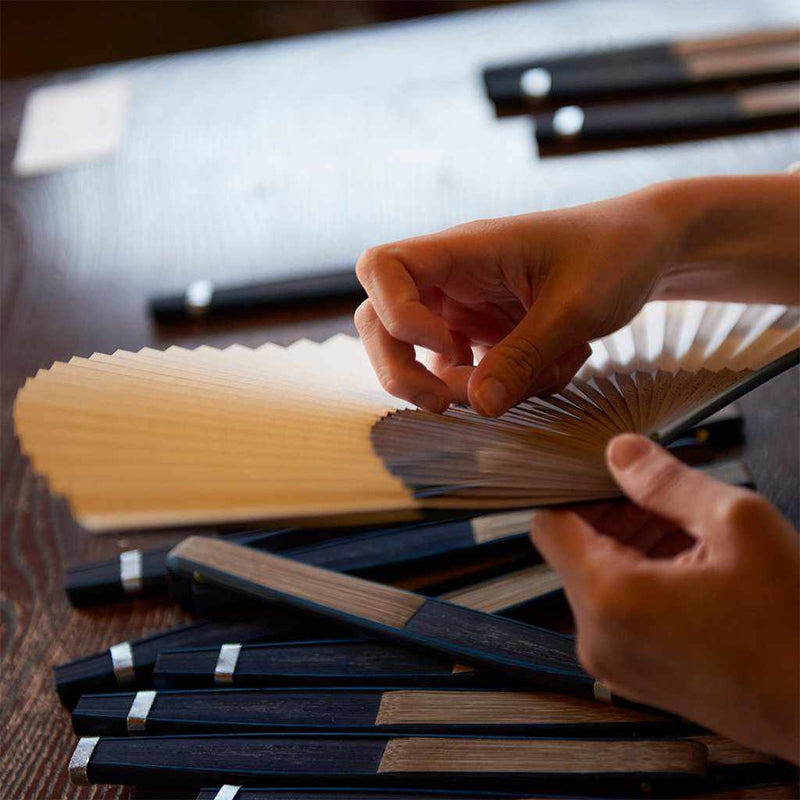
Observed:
{"x":428,"y":657}
{"x":664,"y":91}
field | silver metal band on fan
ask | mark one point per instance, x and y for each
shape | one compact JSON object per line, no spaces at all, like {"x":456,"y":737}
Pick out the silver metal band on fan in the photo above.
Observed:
{"x":226,"y":663}
{"x":227,"y":792}
{"x":568,"y":121}
{"x":130,"y":571}
{"x":122,"y":664}
{"x":198,"y":298}
{"x":601,"y":692}
{"x":136,"y":721}
{"x":536,"y":82}
{"x":79,"y":763}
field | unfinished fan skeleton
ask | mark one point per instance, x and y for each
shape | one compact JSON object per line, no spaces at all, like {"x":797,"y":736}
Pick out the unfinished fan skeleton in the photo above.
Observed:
{"x":178,"y":437}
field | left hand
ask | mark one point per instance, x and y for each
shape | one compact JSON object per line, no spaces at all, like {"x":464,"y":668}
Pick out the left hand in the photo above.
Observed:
{"x":711,"y":632}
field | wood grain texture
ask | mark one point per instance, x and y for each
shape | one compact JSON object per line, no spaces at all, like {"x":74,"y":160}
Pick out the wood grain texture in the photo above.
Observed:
{"x":293,"y":580}
{"x":211,"y":183}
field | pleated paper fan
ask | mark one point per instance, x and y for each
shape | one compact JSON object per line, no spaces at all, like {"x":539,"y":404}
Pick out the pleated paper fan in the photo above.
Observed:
{"x":174,"y":437}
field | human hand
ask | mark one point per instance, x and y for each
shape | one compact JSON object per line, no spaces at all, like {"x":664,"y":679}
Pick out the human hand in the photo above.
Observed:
{"x":534,"y":289}
{"x":710,"y":633}
{"x":635,"y":527}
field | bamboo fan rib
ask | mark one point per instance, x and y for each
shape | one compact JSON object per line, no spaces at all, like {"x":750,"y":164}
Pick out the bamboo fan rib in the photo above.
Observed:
{"x":200,"y":436}
{"x":673,"y":358}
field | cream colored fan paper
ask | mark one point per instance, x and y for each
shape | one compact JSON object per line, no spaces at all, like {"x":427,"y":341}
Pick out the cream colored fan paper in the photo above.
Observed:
{"x":159,"y":438}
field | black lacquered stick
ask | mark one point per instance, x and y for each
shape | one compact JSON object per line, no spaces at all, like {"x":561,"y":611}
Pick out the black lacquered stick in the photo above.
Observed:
{"x":701,"y":113}
{"x":140,"y":573}
{"x":385,"y":710}
{"x":626,"y":72}
{"x":203,"y":300}
{"x":394,"y":554}
{"x":358,"y":662}
{"x":544,"y":658}
{"x":230,"y":792}
{"x":129,"y":665}
{"x":144,"y":572}
{"x":761,"y":790}
{"x":615,"y":768}
{"x":343,"y":662}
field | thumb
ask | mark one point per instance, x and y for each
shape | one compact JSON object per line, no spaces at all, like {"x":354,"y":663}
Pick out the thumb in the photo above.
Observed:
{"x":658,"y":482}
{"x":544,"y":350}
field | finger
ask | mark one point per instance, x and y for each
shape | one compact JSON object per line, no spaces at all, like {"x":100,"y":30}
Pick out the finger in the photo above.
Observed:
{"x":512,"y":367}
{"x":592,"y":512}
{"x":572,"y":547}
{"x":485,"y":323}
{"x":557,"y":376}
{"x":395,"y":297}
{"x":657,"y":481}
{"x":396,"y":366}
{"x":455,"y":371}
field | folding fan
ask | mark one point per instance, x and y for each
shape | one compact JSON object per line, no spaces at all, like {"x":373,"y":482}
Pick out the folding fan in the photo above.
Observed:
{"x":181,"y":436}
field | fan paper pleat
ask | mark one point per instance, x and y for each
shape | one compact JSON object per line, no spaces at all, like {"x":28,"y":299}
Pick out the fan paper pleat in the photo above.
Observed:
{"x":182,"y":436}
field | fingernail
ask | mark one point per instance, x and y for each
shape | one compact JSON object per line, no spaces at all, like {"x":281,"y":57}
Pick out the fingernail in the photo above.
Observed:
{"x":430,"y":402}
{"x":492,"y":397}
{"x":625,"y":451}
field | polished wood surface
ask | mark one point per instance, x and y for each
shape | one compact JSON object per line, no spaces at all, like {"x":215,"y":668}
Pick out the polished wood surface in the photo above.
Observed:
{"x":200,"y":190}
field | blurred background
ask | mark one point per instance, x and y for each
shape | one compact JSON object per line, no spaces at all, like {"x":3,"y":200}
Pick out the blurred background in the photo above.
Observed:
{"x":48,"y":35}
{"x":169,"y":161}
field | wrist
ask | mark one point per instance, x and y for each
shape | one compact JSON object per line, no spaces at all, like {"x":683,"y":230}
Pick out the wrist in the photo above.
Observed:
{"x":679,"y":207}
{"x":733,"y":238}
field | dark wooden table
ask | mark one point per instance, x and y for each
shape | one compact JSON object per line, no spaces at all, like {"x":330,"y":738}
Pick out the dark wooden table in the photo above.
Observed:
{"x":193,"y":194}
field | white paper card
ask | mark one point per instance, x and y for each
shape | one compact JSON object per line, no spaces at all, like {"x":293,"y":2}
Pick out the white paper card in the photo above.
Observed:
{"x":70,"y":123}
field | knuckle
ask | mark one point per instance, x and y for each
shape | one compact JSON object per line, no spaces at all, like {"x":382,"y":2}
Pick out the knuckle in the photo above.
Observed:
{"x":742,"y":510}
{"x":580,"y":315}
{"x":392,"y":384}
{"x":658,"y":480}
{"x":369,"y":263}
{"x":385,"y":377}
{"x":390,"y":380}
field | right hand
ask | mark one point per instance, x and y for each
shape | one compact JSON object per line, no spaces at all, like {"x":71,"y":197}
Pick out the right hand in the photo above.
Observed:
{"x":697,"y":611}
{"x":533,"y":290}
